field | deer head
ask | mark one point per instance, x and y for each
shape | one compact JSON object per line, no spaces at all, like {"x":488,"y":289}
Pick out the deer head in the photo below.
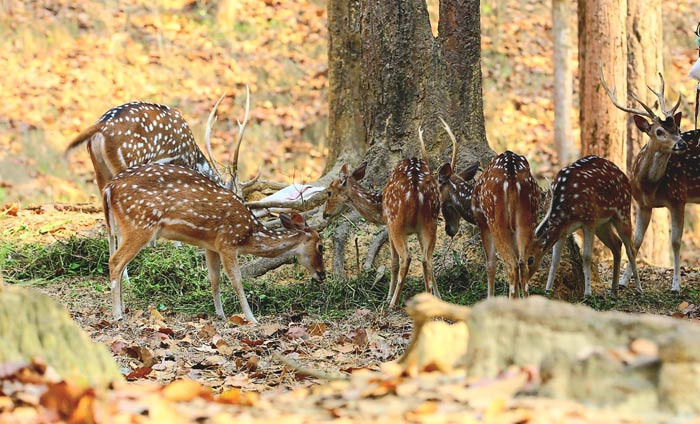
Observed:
{"x":340,"y":188}
{"x":664,"y":132}
{"x":310,"y":250}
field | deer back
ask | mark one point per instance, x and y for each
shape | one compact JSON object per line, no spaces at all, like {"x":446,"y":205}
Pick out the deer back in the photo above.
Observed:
{"x":138,"y":132}
{"x":411,"y":195}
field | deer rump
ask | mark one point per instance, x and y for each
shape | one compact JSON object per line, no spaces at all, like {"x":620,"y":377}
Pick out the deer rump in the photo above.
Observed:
{"x":507,"y":202}
{"x":410,"y":199}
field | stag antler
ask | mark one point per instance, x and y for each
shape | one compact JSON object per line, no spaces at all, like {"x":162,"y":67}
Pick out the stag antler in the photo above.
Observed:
{"x":611,"y":94}
{"x":241,"y":130}
{"x":454,"y":143}
{"x":211,"y":120}
{"x":662,"y":102}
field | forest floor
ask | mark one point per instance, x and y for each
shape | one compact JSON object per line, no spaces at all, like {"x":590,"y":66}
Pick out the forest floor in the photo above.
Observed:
{"x":170,"y":330}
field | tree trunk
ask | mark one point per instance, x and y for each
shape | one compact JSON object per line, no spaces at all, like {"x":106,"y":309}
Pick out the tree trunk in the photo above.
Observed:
{"x":603,"y":43}
{"x":644,"y":62}
{"x":563,"y":80}
{"x":389,"y":76}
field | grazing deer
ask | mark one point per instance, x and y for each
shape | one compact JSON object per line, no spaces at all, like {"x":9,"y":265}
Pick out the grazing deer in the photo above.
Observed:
{"x":504,"y":205}
{"x":665,"y":173}
{"x":409,"y":204}
{"x":456,"y":190}
{"x":136,"y":133}
{"x":180,"y":204}
{"x":594,"y":194}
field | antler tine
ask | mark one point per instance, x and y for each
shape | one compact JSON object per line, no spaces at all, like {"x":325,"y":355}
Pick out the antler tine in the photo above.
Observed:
{"x":241,"y":129}
{"x":422,"y":144}
{"x":660,"y":94}
{"x":454,"y":143}
{"x":207,"y":133}
{"x":678,"y":103}
{"x":255,"y":179}
{"x":611,"y":94}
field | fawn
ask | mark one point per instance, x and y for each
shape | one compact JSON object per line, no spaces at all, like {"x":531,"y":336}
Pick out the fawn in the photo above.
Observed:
{"x":178,"y":203}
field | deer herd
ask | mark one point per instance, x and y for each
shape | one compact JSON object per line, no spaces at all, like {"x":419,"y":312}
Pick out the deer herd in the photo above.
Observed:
{"x":156,"y":182}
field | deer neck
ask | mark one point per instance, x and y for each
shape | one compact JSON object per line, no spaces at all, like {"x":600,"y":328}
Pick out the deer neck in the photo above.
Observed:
{"x":462,"y":197}
{"x":650,"y":166}
{"x":368,"y":203}
{"x":271,"y":243}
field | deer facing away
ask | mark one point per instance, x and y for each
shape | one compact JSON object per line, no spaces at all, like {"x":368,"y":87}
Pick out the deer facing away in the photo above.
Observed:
{"x":594,"y":194}
{"x":504,"y":205}
{"x":665,"y":172}
{"x":408,"y":204}
{"x":180,"y":204}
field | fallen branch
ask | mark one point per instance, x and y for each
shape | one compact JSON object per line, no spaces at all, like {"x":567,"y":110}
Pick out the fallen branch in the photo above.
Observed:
{"x":262,"y":266}
{"x":263,"y":186}
{"x":301,"y":204}
{"x":321,"y":375}
{"x":374,"y":247}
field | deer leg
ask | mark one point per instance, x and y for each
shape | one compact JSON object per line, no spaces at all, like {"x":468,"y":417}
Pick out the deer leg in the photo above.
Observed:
{"x":233,"y":272}
{"x":677,"y":218}
{"x":214,"y":269}
{"x":404,"y":262}
{"x":556,"y":258}
{"x":587,"y":254}
{"x":624,"y":230}
{"x":606,"y":234}
{"x":642,"y":218}
{"x":490,"y":252}
{"x":394,"y":269}
{"x":126,"y":251}
{"x":427,"y":242}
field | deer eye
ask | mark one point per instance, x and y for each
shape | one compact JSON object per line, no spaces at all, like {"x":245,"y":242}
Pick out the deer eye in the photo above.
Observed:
{"x":659,"y":133}
{"x":319,"y":248}
{"x":530,"y":260}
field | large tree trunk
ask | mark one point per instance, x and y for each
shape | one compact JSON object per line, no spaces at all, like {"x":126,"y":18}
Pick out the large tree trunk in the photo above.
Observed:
{"x":603,"y":43}
{"x":645,"y":61}
{"x":563,"y":80}
{"x":389,"y":75}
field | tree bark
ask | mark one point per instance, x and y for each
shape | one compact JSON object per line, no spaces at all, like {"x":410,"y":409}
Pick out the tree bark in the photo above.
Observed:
{"x":388,"y":75}
{"x":563,"y":80}
{"x":644,"y":62}
{"x":603,"y":44}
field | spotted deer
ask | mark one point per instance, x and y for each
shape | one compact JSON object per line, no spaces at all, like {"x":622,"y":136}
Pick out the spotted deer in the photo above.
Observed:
{"x":593,"y":194}
{"x":665,"y":172}
{"x":178,"y":203}
{"x":504,"y":204}
{"x":137,"y":133}
{"x":408,"y":204}
{"x":456,"y":189}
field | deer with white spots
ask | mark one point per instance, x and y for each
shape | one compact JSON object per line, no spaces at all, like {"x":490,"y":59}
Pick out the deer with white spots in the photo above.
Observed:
{"x":504,"y":205}
{"x":665,"y":173}
{"x":593,"y":194}
{"x":177,"y":203}
{"x":137,"y":133}
{"x":408,"y":204}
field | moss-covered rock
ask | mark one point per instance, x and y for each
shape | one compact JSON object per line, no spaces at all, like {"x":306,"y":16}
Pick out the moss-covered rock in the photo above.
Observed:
{"x":33,"y":325}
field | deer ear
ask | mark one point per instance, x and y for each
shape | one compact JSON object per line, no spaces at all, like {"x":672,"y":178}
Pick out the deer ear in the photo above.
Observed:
{"x":288,"y":221}
{"x":444,"y":173}
{"x":343,"y":172}
{"x":359,"y":172}
{"x":677,"y":118}
{"x":469,"y":173}
{"x":299,"y":221}
{"x":642,"y":123}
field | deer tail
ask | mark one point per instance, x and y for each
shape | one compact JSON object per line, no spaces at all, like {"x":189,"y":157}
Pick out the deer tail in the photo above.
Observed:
{"x":81,"y":138}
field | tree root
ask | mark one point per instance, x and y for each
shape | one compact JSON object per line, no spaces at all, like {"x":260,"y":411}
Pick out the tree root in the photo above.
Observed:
{"x":262,"y":266}
{"x":374,"y":247}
